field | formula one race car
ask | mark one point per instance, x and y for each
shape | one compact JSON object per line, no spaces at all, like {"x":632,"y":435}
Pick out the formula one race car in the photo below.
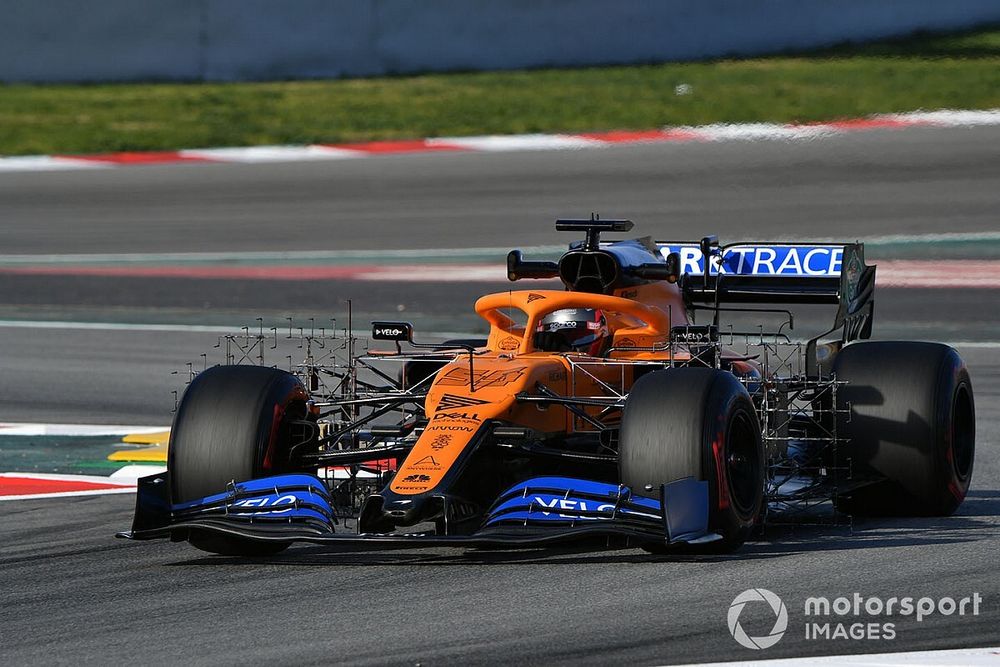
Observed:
{"x":600,"y":413}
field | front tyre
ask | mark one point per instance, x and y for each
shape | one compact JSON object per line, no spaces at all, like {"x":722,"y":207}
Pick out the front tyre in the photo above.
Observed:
{"x":700,"y":423}
{"x":232,"y":425}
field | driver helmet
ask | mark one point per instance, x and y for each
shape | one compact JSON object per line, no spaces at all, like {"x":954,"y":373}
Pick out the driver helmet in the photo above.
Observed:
{"x":573,"y":330}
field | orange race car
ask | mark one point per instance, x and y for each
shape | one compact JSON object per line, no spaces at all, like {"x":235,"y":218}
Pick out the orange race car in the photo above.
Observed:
{"x":604,"y":413}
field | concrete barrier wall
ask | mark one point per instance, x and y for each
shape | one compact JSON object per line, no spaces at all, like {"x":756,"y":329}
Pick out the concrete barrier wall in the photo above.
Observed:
{"x":235,"y":40}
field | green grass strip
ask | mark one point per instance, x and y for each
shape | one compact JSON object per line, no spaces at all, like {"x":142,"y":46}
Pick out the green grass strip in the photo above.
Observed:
{"x":927,"y":72}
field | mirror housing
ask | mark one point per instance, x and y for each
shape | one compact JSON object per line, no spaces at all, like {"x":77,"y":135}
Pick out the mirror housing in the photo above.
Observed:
{"x":518,"y":268}
{"x":400,"y":332}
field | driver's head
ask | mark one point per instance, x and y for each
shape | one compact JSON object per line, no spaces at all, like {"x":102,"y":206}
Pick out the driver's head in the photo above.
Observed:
{"x":573,"y":330}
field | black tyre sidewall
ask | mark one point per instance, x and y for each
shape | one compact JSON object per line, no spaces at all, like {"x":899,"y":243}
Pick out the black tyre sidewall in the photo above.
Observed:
{"x":729,"y":402}
{"x":223,"y":428}
{"x":905,"y":401}
{"x":677,"y":423}
{"x":228,"y":428}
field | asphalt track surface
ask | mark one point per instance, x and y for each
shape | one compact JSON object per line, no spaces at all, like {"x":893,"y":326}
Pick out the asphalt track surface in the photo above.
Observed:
{"x":73,"y":594}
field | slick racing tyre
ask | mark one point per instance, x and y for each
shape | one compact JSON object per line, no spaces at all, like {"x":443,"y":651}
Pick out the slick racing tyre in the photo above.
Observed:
{"x":232,"y":425}
{"x":909,"y":419}
{"x":701,"y":423}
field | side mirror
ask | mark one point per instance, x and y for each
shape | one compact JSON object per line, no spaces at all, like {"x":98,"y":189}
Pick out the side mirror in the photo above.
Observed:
{"x":401,"y":332}
{"x":670,"y":271}
{"x":673,"y":267}
{"x":518,"y":268}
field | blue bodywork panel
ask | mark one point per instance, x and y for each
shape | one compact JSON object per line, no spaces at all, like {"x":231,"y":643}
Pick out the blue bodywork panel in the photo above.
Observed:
{"x":284,"y":499}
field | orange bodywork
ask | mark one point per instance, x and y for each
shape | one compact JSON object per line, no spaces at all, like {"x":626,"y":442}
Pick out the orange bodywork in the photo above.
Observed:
{"x":456,"y":408}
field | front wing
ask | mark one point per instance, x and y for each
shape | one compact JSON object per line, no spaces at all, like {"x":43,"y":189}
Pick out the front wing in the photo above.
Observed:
{"x":538,"y":512}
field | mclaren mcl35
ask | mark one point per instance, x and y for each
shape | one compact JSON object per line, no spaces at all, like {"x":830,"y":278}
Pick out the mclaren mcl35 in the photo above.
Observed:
{"x":626,"y":408}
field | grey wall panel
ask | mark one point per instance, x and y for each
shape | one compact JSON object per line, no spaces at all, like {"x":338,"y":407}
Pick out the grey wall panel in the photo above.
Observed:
{"x":63,"y":40}
{"x":228,"y":40}
{"x":268,"y":39}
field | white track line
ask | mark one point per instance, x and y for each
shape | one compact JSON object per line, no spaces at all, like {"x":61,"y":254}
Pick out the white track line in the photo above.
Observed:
{"x":59,"y":477}
{"x":74,"y":430}
{"x":188,"y":328}
{"x":279,"y":256}
{"x":69,"y":494}
{"x":374,"y":254}
{"x":521,"y":142}
{"x":974,"y":657}
{"x":952,"y":118}
{"x":48,"y":163}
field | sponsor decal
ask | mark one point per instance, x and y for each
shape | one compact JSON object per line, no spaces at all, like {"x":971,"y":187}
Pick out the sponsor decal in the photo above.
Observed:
{"x":417,"y":478}
{"x":534,"y":297}
{"x":695,"y":335}
{"x":557,"y":376}
{"x":450,"y":402}
{"x":426,"y":463}
{"x":563,"y":507}
{"x":510,"y":343}
{"x":459,"y":377}
{"x":270,"y":502}
{"x":629,"y":293}
{"x":573,"y":506}
{"x":441,"y":441}
{"x":451,"y":427}
{"x":458,"y":416}
{"x":761,"y":260}
{"x":626,"y":342}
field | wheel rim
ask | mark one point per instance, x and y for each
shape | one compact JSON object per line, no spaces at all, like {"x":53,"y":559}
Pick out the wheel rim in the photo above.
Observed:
{"x":963,"y":432}
{"x":743,"y":464}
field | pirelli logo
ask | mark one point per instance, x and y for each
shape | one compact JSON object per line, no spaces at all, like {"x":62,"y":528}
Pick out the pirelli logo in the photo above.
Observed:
{"x":450,"y":402}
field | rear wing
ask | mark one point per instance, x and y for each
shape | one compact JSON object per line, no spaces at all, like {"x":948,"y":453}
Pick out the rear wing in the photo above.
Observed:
{"x":785,"y":273}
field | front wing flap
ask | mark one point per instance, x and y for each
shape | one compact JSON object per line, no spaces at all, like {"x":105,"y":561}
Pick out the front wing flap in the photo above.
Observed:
{"x":540,"y":511}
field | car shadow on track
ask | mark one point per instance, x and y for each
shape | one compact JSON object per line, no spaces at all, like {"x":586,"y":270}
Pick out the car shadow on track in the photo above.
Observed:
{"x":978,"y":518}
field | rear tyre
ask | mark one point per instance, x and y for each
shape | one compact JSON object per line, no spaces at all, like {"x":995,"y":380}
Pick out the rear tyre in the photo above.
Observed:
{"x":232,"y":425}
{"x":701,"y":423}
{"x":911,"y":422}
